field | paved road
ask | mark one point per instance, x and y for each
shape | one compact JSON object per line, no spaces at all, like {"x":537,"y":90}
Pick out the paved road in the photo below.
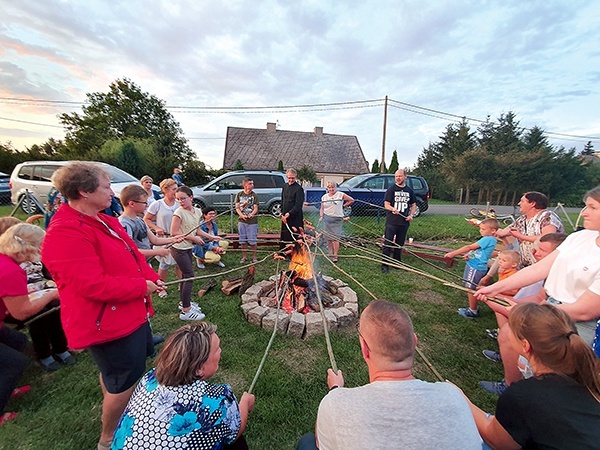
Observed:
{"x":463,"y":210}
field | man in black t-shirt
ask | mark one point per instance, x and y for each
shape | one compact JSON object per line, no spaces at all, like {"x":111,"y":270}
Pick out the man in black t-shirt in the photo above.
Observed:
{"x":401,"y":203}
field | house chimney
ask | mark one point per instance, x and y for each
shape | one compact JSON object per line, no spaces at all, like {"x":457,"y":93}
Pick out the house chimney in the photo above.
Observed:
{"x":319,"y":131}
{"x":271,"y":127}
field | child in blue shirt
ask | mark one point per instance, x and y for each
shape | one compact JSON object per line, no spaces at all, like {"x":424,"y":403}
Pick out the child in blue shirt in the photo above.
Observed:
{"x":477,"y":256}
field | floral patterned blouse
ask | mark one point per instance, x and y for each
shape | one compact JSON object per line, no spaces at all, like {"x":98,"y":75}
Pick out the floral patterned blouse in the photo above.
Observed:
{"x":533,"y":227}
{"x":200,"y":416}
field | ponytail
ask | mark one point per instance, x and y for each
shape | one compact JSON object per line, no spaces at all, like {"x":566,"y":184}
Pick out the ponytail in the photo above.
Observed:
{"x":555,"y":343}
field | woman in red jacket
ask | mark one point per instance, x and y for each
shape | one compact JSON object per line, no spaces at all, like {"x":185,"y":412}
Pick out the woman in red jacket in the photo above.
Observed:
{"x":105,"y":286}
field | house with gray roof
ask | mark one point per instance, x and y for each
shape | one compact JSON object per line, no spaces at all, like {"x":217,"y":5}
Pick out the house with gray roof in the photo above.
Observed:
{"x":333,"y":157}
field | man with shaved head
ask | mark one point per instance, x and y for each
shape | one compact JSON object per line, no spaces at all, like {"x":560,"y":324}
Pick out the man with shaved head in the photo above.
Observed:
{"x":395,"y":410}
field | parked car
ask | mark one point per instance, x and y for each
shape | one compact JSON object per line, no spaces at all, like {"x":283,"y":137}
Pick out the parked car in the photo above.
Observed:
{"x":220,"y":192}
{"x":4,"y":189}
{"x":369,"y":189}
{"x":34,"y":176}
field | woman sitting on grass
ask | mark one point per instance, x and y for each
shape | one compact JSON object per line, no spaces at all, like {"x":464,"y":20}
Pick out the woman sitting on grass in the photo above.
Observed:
{"x":175,"y":406}
{"x":18,"y":244}
{"x":557,"y":405}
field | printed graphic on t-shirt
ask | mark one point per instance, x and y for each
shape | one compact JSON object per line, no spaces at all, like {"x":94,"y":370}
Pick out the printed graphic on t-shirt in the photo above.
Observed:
{"x":247,"y":203}
{"x":401,"y":201}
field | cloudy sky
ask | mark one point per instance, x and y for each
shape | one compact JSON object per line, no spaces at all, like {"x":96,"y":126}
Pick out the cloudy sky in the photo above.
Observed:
{"x":540,"y":59}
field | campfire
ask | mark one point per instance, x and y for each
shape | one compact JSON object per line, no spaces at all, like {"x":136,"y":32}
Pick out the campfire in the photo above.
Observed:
{"x":300,"y":314}
{"x":299,"y":285}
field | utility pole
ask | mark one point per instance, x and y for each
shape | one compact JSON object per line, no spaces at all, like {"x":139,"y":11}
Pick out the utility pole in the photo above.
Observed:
{"x":382,"y":164}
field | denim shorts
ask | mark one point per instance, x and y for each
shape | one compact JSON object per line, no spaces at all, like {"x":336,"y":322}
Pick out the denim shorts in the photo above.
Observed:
{"x":585,"y":329}
{"x":472,"y":277}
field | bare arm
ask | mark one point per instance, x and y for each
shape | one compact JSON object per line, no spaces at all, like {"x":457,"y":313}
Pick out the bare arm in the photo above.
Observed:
{"x":532,"y":274}
{"x":21,"y":307}
{"x":149,"y":221}
{"x":462,"y":250}
{"x":587,"y":307}
{"x":246,"y":405}
{"x":349,"y":200}
{"x":532,"y":238}
{"x":492,"y":432}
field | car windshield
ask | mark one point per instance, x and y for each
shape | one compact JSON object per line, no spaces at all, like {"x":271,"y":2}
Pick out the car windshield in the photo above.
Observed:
{"x":119,"y":176}
{"x":355,"y":181}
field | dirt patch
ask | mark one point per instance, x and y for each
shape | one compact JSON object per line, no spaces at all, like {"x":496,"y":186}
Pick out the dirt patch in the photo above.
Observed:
{"x":427,"y":296}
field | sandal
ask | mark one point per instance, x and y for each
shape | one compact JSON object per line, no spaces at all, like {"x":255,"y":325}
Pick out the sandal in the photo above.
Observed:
{"x":20,"y":391}
{"x":104,"y":445}
{"x":335,"y":260}
{"x":7,"y":416}
{"x":242,"y":261}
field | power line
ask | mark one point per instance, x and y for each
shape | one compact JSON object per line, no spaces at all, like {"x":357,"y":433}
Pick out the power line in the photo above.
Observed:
{"x":282,"y":109}
{"x":31,"y":123}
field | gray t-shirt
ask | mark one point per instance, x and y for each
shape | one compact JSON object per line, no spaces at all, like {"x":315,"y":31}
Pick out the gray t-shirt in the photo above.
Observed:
{"x":137,"y":230}
{"x":411,"y":414}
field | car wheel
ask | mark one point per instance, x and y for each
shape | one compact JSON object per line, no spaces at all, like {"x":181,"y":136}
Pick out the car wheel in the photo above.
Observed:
{"x":275,"y":209}
{"x":198,"y":204}
{"x":28,"y":206}
{"x":347,"y":211}
{"x":417,"y":211}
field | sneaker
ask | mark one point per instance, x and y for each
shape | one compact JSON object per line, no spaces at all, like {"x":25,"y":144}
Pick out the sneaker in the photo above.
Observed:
{"x":254,"y":260}
{"x":242,"y":261}
{"x":385,"y":269}
{"x":7,"y":416}
{"x":191,"y":315}
{"x":20,"y":391}
{"x":492,"y":355}
{"x":194,"y":306}
{"x":492,"y":333}
{"x":466,"y":312}
{"x":220,"y":264}
{"x":494,"y":387}
{"x":200,"y":265}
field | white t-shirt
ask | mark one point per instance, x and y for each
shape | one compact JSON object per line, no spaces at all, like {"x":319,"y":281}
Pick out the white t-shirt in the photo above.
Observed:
{"x":163,"y":213}
{"x":333,"y":205}
{"x":410,"y":414}
{"x":576,"y":268}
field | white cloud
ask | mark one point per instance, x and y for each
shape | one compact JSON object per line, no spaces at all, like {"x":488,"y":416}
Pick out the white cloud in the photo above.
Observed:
{"x":539,"y":59}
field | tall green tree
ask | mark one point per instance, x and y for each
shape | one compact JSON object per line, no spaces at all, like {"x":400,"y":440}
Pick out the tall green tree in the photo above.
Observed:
{"x":129,"y":160}
{"x":306,"y":173}
{"x":124,"y":112}
{"x":375,"y":167}
{"x":280,"y":166}
{"x":588,"y":149}
{"x":394,"y":163}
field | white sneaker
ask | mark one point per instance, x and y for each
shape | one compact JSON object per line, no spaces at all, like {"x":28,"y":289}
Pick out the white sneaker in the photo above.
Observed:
{"x":194,"y":306}
{"x":199,"y":264}
{"x":191,"y":315}
{"x":220,"y":264}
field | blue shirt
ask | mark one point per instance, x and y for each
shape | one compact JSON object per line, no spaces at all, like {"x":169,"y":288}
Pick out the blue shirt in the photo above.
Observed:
{"x":479,"y":258}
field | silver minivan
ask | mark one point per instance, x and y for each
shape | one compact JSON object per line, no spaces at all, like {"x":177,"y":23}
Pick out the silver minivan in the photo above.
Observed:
{"x":34,"y":176}
{"x":220,"y":192}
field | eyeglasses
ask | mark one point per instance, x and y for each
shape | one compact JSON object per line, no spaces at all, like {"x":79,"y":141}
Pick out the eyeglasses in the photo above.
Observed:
{"x":137,"y":201}
{"x":361,"y":336}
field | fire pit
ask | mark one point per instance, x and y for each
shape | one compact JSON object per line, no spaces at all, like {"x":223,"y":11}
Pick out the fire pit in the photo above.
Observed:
{"x":300,"y":314}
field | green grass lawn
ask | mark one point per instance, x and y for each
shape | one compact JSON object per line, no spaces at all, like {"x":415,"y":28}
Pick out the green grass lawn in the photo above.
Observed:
{"x":63,"y":409}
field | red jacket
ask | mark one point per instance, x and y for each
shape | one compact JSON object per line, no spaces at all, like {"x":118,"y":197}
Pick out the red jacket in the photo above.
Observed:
{"x":101,"y":278}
